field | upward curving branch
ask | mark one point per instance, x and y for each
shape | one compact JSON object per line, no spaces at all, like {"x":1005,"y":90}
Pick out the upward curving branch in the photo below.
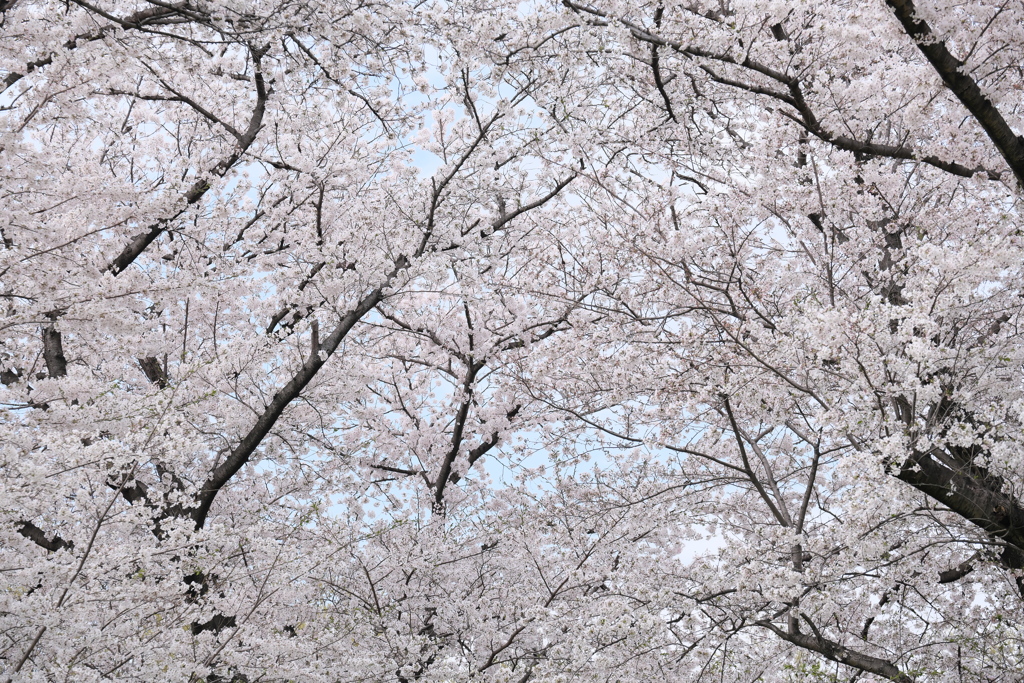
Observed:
{"x":244,"y":140}
{"x":316,"y":360}
{"x":457,"y":432}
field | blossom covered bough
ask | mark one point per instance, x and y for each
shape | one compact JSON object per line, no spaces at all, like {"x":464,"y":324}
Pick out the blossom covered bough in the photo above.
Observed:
{"x":511,"y":341}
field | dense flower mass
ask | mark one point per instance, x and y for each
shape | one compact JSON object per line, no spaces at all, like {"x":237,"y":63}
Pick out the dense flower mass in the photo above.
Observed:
{"x":512,"y":342}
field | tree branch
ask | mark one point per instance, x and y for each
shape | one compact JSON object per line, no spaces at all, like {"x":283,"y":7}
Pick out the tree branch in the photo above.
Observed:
{"x":154,"y":371}
{"x":136,"y":20}
{"x":838,"y":653}
{"x":251,"y":441}
{"x":457,"y":431}
{"x":142,"y":241}
{"x":955,"y":75}
{"x":965,"y":89}
{"x":38,"y":536}
{"x":53,"y":352}
{"x":974,"y":494}
{"x":747,"y":469}
{"x":656,"y":68}
{"x":482,"y":449}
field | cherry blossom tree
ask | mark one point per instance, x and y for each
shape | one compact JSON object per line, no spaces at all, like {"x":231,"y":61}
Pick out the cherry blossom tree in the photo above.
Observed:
{"x":511,"y":341}
{"x":821,"y":203}
{"x":229,"y":295}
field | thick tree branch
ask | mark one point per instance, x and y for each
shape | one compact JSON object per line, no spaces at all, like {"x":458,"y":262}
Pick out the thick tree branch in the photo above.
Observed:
{"x":993,"y":123}
{"x":956,"y":77}
{"x":780,"y":517}
{"x":216,"y":624}
{"x":482,"y":449}
{"x":891,"y":151}
{"x":138,"y":491}
{"x":956,"y":573}
{"x":507,"y":218}
{"x":838,"y":653}
{"x":156,"y":14}
{"x":251,"y":441}
{"x":656,"y":68}
{"x":154,"y":371}
{"x":53,"y":352}
{"x":38,"y":536}
{"x":975,"y":495}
